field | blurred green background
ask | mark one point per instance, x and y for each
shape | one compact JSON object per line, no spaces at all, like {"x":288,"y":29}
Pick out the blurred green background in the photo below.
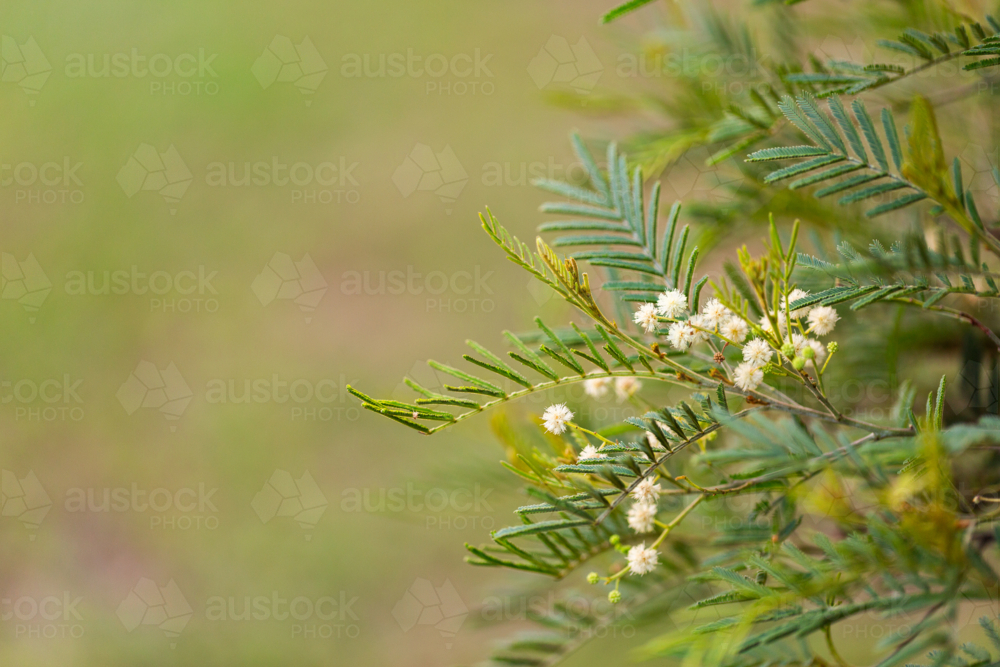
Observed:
{"x":71,"y":574}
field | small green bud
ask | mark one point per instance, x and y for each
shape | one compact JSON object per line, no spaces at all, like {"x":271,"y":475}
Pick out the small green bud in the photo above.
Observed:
{"x":798,"y":363}
{"x":614,"y":597}
{"x":832,"y":347}
{"x":615,"y":540}
{"x":788,"y":350}
{"x":593,"y":578}
{"x":808,"y":352}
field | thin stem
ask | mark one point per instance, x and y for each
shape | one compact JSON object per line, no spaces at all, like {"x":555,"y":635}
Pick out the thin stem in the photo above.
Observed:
{"x":544,"y":386}
{"x":875,"y":433}
{"x":677,"y":519}
{"x":600,"y":437}
{"x":833,"y":649}
{"x":955,"y":314}
{"x":743,"y":485}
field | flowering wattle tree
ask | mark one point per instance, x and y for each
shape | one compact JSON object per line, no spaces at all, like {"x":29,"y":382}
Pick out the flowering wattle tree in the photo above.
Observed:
{"x":849,"y":513}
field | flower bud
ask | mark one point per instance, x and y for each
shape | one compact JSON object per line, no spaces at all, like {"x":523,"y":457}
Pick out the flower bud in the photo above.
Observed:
{"x":593,"y":578}
{"x":808,"y":352}
{"x":788,"y":350}
{"x":832,"y":346}
{"x":615,"y":540}
{"x":798,"y":363}
{"x":614,"y":597}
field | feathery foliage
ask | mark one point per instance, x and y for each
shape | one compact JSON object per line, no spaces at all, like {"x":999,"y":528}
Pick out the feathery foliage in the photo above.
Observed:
{"x":750,"y":507}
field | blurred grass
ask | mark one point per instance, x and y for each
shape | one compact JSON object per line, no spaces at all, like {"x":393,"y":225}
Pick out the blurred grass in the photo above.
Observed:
{"x":369,"y":340}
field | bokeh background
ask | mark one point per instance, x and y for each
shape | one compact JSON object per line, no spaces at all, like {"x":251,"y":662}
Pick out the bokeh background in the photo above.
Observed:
{"x":178,"y":438}
{"x":230,"y":103}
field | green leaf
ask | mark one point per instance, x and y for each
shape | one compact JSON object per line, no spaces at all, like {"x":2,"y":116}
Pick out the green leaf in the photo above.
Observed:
{"x":802,"y":167}
{"x":871,"y":136}
{"x":824,"y":175}
{"x":792,"y":112}
{"x":750,"y":588}
{"x":536,"y":528}
{"x":471,"y":379}
{"x":847,"y":184}
{"x":500,"y":369}
{"x":786,"y":153}
{"x":889,"y":125}
{"x":873,"y":191}
{"x":807,"y":103}
{"x":595,"y":240}
{"x":567,"y":208}
{"x":853,"y":138}
{"x":623,"y":9}
{"x":896,"y":204}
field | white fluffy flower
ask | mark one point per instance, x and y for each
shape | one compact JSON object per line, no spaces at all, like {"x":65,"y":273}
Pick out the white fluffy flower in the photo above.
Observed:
{"x":715,"y":313}
{"x":641,"y":517}
{"x":589,"y":452}
{"x":701,"y":322}
{"x":596,"y":387}
{"x":626,"y":386}
{"x":794,"y":296}
{"x":646,"y":317}
{"x":735,"y":329}
{"x":671,"y":304}
{"x":765,"y":323}
{"x":642,"y":560}
{"x":747,"y":376}
{"x":757,"y":352}
{"x":822,"y":320}
{"x":681,"y":335}
{"x":556,"y":417}
{"x":799,"y":342}
{"x":646,"y":491}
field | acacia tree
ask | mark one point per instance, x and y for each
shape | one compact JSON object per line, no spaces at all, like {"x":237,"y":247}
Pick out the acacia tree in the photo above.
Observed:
{"x":827,"y":514}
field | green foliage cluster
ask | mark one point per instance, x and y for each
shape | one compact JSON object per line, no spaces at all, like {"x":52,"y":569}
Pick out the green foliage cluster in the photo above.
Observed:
{"x":828,"y":516}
